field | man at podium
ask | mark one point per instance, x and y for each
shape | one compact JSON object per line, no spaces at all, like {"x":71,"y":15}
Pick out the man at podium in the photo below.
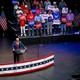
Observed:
{"x":18,"y":50}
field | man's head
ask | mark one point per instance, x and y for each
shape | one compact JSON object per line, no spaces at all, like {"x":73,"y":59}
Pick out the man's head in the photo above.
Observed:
{"x":17,"y":39}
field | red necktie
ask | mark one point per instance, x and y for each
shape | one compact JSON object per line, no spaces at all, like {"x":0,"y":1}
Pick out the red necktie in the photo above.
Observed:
{"x":17,"y":46}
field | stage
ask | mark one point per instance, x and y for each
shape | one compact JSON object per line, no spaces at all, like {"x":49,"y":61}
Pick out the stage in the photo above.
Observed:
{"x":67,"y":60}
{"x":31,"y":40}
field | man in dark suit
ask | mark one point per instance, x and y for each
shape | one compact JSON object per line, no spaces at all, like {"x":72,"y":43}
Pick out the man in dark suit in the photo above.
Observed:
{"x":17,"y":46}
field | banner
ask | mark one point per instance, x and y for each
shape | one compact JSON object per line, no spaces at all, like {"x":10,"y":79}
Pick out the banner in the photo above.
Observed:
{"x":56,"y":22}
{"x":14,"y":1}
{"x":3,"y":21}
{"x":50,"y":7}
{"x":45,"y":16}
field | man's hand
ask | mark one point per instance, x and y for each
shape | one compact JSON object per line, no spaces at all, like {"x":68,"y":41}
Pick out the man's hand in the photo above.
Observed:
{"x":13,"y":49}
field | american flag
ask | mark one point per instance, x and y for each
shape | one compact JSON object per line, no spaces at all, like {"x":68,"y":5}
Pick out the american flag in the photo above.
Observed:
{"x":77,"y":20}
{"x":3,"y":21}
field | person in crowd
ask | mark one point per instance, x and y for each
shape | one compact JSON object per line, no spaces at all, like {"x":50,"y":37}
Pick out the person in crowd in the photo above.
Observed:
{"x":56,"y":21}
{"x":46,"y":4}
{"x":16,"y":6}
{"x":70,"y":18}
{"x":41,"y":4}
{"x":31,"y":23}
{"x":24,"y":7}
{"x":18,"y":14}
{"x":63,"y":24}
{"x":49,"y":22}
{"x":44,"y":20}
{"x":61,"y":5}
{"x":65,"y":10}
{"x":35,"y":3}
{"x":16,"y":46}
{"x":37,"y":9}
{"x":27,"y":3}
{"x":55,"y":9}
{"x":22,"y":21}
{"x":54,"y":3}
{"x":63,"y":19}
{"x":38,"y":20}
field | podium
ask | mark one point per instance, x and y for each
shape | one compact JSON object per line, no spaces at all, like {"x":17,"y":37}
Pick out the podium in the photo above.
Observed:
{"x":19,"y":53}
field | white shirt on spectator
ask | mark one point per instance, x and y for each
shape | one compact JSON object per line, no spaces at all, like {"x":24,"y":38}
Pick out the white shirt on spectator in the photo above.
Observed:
{"x":38,"y":18}
{"x":50,"y":15}
{"x":16,"y":7}
{"x":18,"y":12}
{"x":55,"y":10}
{"x":64,"y":10}
{"x":44,"y":16}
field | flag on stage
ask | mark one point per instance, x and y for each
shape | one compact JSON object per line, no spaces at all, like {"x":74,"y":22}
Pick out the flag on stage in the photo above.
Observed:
{"x":3,"y":21}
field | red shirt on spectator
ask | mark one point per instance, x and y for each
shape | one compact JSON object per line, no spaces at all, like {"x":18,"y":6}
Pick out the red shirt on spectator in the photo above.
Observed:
{"x":22,"y":6}
{"x":30,"y":16}
{"x":22,"y":20}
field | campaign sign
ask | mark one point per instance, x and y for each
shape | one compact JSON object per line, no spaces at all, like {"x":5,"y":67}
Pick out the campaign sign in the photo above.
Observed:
{"x":45,"y":16}
{"x":56,"y":22}
{"x":14,"y":1}
{"x":50,"y":7}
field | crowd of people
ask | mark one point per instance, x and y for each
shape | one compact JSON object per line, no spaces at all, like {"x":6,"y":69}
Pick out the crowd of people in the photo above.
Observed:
{"x":43,"y":18}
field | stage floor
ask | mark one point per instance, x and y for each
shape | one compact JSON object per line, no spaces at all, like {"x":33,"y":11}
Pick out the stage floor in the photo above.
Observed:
{"x":67,"y":60}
